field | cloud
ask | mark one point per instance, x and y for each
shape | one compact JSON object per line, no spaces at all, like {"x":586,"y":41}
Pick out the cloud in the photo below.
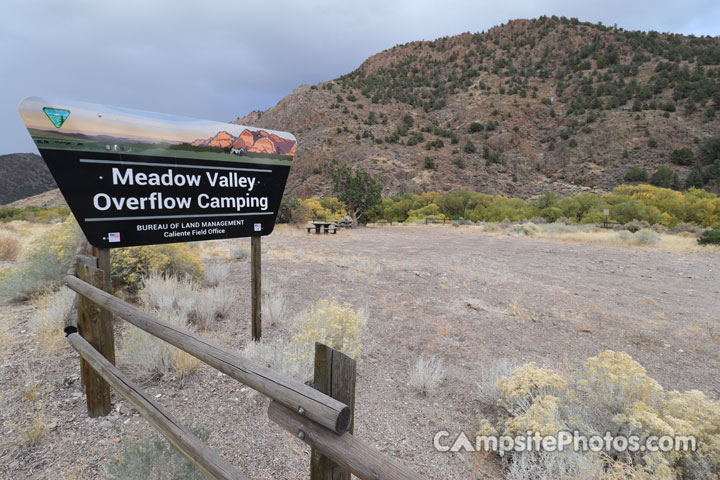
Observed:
{"x":221,"y":59}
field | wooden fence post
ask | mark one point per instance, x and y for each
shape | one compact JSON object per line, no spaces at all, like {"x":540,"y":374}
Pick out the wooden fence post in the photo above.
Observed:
{"x":255,"y":253}
{"x":334,"y":376}
{"x":95,"y":325}
{"x":103,"y":264}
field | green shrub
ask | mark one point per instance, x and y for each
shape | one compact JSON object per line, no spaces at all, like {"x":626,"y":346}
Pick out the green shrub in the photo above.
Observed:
{"x":34,"y":214}
{"x":429,"y":164}
{"x":710,"y":149}
{"x":663,"y":177}
{"x":712,"y":171}
{"x":682,"y":156}
{"x":695,"y":178}
{"x":636,"y":174}
{"x":131,"y":264}
{"x":154,"y":458}
{"x":476,"y":127}
{"x":48,"y":261}
{"x":469,"y":147}
{"x":710,"y":237}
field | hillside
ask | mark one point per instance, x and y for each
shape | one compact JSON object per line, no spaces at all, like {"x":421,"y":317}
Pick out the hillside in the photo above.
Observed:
{"x":50,"y":199}
{"x":23,"y":175}
{"x":529,"y":106}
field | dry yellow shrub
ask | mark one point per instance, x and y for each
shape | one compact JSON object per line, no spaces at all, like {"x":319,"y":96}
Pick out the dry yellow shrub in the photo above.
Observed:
{"x":337,"y":325}
{"x":615,"y":380}
{"x":616,"y":393}
{"x":184,"y":363}
{"x":529,"y":381}
{"x":542,"y":417}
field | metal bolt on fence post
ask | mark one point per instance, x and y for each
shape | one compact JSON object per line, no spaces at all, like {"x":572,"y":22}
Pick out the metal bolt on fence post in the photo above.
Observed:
{"x":301,"y":435}
{"x":301,"y":411}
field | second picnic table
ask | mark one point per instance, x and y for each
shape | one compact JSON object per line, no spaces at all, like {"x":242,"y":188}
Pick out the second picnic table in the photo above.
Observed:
{"x":323,"y":227}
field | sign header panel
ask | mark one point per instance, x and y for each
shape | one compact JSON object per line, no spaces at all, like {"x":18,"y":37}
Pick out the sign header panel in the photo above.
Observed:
{"x":141,"y":178}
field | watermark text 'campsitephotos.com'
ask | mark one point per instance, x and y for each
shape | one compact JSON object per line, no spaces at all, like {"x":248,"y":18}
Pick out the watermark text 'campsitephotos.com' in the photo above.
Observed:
{"x":444,"y":441}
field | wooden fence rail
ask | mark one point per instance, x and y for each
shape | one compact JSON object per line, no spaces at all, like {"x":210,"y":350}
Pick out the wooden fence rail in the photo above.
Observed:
{"x":297,"y":396}
{"x":346,"y":450}
{"x":205,"y":459}
{"x":316,"y":418}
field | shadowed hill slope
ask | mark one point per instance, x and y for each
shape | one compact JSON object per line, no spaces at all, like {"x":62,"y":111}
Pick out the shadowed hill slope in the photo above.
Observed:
{"x":23,"y":175}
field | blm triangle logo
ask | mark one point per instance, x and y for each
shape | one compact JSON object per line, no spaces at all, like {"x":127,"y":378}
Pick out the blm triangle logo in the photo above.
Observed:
{"x":56,"y":115}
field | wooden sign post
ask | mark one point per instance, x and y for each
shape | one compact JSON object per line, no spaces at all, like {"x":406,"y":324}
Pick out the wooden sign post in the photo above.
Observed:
{"x":256,"y":280}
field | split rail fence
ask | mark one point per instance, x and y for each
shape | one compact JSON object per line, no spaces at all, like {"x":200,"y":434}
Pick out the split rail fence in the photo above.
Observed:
{"x":322,"y":417}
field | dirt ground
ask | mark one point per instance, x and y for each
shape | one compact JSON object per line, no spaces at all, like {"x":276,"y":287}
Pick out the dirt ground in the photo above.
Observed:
{"x":469,"y":298}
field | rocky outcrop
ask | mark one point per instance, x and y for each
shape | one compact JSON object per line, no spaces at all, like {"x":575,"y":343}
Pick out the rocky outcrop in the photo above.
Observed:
{"x":221,"y":140}
{"x":258,"y":141}
{"x":244,"y":141}
{"x":263,"y":145}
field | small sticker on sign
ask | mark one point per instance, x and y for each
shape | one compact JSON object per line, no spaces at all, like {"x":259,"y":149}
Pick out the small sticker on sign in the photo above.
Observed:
{"x":258,"y":227}
{"x":114,"y":237}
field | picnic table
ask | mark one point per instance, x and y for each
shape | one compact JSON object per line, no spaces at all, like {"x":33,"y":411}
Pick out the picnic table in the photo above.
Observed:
{"x":324,"y":227}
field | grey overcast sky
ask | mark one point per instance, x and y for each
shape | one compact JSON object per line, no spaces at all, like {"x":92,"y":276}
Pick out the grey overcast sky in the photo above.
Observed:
{"x":220,"y":59}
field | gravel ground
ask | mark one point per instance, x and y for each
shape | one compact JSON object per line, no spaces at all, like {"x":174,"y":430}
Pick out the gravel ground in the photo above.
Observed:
{"x":468,"y":298}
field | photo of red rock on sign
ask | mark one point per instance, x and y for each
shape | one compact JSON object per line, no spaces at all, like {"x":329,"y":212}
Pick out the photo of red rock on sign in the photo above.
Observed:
{"x":85,"y":127}
{"x":258,"y":141}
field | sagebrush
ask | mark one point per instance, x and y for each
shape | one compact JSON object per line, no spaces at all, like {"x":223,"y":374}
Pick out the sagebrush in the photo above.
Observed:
{"x":131,"y":265}
{"x":614,"y":394}
{"x":182,"y":303}
{"x":45,"y":264}
{"x":154,"y":458}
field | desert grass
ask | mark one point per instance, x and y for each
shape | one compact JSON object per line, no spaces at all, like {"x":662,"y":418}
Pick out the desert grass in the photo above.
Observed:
{"x":667,"y":242}
{"x":182,"y":303}
{"x":31,"y":386}
{"x":216,"y":274}
{"x":426,"y":375}
{"x":290,"y":230}
{"x":274,"y":304}
{"x":25,"y":232}
{"x":10,"y":246}
{"x":34,"y":432}
{"x":22,"y":436}
{"x":216,"y":249}
{"x":7,"y":339}
{"x":487,"y":385}
{"x":48,"y":321}
{"x":184,"y":364}
{"x":143,"y":353}
{"x":590,"y":235}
